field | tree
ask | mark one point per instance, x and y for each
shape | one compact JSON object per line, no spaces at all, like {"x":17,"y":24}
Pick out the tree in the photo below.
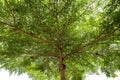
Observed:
{"x":72,"y":37}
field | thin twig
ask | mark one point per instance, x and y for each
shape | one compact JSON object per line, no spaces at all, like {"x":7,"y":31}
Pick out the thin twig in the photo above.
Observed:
{"x":43,"y":55}
{"x":86,"y":9}
{"x":70,"y":21}
{"x":10,"y":11}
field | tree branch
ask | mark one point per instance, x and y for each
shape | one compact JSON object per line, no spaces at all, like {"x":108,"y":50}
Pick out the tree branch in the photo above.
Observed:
{"x":87,"y":7}
{"x":22,"y":31}
{"x":76,"y":51}
{"x":26,"y":33}
{"x":43,"y":55}
{"x":71,"y":21}
{"x":10,"y":11}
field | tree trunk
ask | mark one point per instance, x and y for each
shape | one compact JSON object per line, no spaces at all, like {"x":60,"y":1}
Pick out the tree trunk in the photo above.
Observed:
{"x":62,"y":71}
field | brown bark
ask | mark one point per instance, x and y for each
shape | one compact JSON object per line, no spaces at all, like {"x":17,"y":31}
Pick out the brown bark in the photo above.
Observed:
{"x":62,"y":68}
{"x":62,"y":72}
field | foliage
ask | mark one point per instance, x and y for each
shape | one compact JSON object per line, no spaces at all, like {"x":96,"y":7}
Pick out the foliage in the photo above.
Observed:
{"x":35,"y":35}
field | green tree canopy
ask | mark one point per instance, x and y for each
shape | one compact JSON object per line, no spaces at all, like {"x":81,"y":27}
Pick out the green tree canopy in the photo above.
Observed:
{"x":48,"y":38}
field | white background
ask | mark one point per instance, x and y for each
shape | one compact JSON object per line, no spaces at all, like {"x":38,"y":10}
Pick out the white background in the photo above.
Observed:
{"x":4,"y":75}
